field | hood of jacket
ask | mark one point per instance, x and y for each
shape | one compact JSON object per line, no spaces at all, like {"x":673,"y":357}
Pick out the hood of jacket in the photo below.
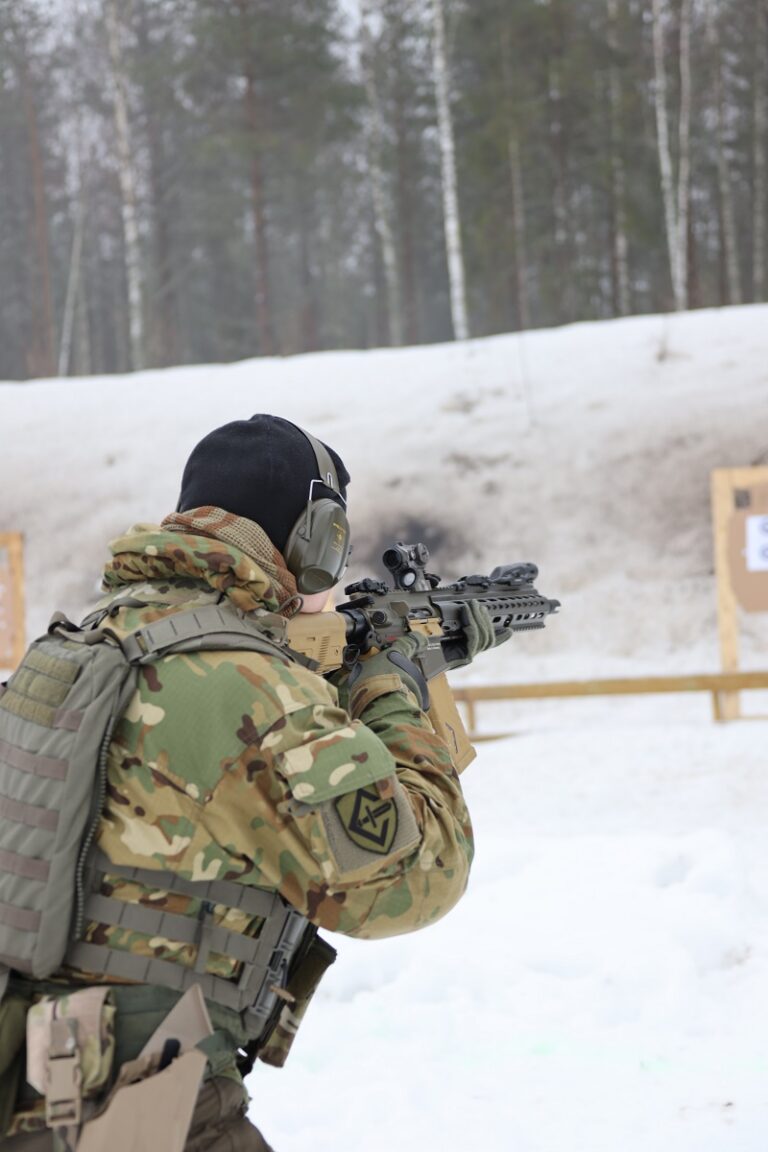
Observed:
{"x":189,"y":552}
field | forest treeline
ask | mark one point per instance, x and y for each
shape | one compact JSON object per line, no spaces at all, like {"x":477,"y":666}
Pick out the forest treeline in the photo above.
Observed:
{"x":187,"y":181}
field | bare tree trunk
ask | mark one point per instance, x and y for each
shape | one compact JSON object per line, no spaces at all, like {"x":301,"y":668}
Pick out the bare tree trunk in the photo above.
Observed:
{"x":405,"y":209}
{"x":407,"y":234}
{"x":263,"y":278}
{"x":163,"y":339}
{"x":76,"y":257}
{"x":265,"y":327}
{"x":662,"y":137}
{"x":560,"y":199}
{"x":684,"y":169}
{"x":127,"y":178}
{"x":565,"y":264}
{"x":42,"y":356}
{"x":310,"y":335}
{"x":729,"y":236}
{"x":520,"y":227}
{"x":618,"y":171}
{"x":73,"y":288}
{"x":519,"y":221}
{"x":84,"y":362}
{"x":451,"y":213}
{"x":676,"y":227}
{"x":760,"y":143}
{"x":375,"y":168}
{"x":693,"y":279}
{"x":378,"y":326}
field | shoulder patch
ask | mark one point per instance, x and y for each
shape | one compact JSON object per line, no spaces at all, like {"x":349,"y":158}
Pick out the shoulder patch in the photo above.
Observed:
{"x":369,"y":827}
{"x":369,"y":819}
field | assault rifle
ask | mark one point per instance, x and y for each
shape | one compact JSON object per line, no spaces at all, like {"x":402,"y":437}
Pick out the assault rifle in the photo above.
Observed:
{"x":375,"y":616}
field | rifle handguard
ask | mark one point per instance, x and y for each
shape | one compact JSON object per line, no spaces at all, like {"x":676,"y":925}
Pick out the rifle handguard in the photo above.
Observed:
{"x":477,"y":636}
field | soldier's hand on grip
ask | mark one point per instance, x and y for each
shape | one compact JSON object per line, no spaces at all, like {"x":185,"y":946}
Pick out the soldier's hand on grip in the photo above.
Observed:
{"x":400,"y":659}
{"x":477,"y":635}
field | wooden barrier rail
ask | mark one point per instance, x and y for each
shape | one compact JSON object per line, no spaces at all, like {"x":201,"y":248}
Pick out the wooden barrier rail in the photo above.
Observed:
{"x":714,"y":683}
{"x":12,"y":642}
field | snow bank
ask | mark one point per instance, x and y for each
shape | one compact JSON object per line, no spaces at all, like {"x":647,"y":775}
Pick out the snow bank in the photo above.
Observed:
{"x":600,"y":987}
{"x":587,"y":449}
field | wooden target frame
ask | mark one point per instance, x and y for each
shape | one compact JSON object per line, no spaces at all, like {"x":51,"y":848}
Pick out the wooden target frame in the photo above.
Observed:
{"x":12,"y":630}
{"x":740,"y":524}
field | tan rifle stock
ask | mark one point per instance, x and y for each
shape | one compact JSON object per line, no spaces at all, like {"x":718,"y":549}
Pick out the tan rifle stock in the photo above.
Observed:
{"x":321,"y":637}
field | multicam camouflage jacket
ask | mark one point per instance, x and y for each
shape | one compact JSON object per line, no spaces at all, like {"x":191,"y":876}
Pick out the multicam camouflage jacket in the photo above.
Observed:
{"x":239,"y":766}
{"x":244,"y":767}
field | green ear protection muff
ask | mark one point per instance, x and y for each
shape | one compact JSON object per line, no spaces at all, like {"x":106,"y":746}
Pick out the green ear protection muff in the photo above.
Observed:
{"x":318,"y":545}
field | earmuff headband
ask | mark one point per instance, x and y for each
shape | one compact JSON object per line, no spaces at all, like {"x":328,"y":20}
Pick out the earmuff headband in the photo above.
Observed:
{"x":318,"y":546}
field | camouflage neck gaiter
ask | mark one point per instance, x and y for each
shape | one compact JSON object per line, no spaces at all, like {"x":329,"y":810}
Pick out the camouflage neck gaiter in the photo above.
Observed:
{"x":244,"y":534}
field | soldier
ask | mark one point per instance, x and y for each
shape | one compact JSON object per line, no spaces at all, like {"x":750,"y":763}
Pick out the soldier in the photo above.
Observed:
{"x":250,"y":801}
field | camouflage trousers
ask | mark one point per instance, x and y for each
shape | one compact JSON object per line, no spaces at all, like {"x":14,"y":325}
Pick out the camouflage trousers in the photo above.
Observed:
{"x":219,"y":1124}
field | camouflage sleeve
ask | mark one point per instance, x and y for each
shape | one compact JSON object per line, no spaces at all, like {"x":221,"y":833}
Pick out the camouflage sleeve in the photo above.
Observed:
{"x":249,"y":769}
{"x":425,"y":884}
{"x":379,"y":840}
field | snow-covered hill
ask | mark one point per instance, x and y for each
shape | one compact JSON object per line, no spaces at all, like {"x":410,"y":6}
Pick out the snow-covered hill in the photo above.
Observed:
{"x":604,"y":983}
{"x":587,"y":449}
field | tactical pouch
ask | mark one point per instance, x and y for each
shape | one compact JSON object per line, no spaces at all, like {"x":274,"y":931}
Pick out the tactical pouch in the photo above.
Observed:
{"x":89,"y":1017}
{"x":302,"y":985}
{"x":151,"y":1107}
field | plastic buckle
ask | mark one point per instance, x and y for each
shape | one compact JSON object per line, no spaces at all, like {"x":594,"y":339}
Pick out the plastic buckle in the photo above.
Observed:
{"x":63,"y":1101}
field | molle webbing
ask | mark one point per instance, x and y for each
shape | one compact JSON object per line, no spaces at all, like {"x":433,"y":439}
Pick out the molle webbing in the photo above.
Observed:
{"x":40,"y":687}
{"x":56,"y":718}
{"x":264,"y":958}
{"x":209,"y":627}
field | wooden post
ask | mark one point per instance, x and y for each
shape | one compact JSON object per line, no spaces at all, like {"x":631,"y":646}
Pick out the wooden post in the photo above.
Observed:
{"x":471,"y":717}
{"x":738,"y":495}
{"x":726,"y":705}
{"x":12,"y":641}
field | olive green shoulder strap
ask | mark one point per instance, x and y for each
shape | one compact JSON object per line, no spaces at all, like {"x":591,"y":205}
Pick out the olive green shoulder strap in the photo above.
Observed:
{"x":213,"y":626}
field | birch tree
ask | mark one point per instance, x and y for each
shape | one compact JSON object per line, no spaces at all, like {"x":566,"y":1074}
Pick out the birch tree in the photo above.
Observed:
{"x":620,"y":245}
{"x":381,"y":207}
{"x":684,"y":158}
{"x":42,"y":355}
{"x":71,"y":300}
{"x":127,"y":177}
{"x":160,"y":289}
{"x":676,"y":205}
{"x":227,"y":201}
{"x":728,"y":218}
{"x":516,"y":182}
{"x":520,"y":227}
{"x":22,"y":28}
{"x":558,"y":140}
{"x":73,"y":288}
{"x":255,"y":120}
{"x":451,"y":214}
{"x":400,"y":21}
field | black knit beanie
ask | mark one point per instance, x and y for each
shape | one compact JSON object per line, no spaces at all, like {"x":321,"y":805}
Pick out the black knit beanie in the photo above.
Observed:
{"x":260,"y":468}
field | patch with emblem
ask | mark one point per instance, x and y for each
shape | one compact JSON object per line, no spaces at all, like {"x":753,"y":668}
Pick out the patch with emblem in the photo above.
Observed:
{"x":369,"y":819}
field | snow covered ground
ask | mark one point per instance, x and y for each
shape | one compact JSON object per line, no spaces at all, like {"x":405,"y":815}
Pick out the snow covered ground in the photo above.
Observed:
{"x":604,"y":983}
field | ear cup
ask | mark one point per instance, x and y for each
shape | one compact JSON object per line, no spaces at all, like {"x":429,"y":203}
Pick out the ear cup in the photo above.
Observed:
{"x":318,"y":546}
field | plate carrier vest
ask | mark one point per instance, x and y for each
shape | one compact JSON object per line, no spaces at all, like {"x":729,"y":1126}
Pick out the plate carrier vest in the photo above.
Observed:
{"x":58,"y":712}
